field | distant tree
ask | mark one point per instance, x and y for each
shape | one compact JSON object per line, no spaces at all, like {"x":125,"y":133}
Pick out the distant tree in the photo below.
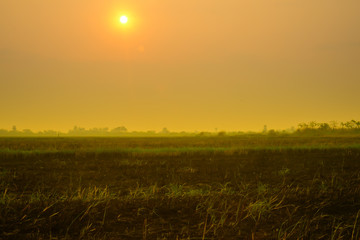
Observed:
{"x":14,"y":128}
{"x":77,"y":131}
{"x":97,"y":131}
{"x":221,"y":134}
{"x":358,"y":124}
{"x":49,"y":133}
{"x":334,"y":125}
{"x":121,"y":129}
{"x":303,"y":126}
{"x":27,"y":132}
{"x":272,"y":133}
{"x":350,"y":124}
{"x":202,"y":134}
{"x":265,"y":129}
{"x":313,"y":125}
{"x":165,"y":131}
{"x":3,"y":132}
{"x":355,"y":124}
{"x":324,"y":126}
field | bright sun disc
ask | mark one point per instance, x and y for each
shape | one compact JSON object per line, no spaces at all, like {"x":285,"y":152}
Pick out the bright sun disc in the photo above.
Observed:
{"x":123,"y":19}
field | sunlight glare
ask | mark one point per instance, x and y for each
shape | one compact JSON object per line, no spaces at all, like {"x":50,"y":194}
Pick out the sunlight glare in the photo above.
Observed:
{"x":123,"y":19}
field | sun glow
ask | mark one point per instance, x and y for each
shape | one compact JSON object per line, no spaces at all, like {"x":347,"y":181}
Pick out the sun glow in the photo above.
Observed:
{"x":123,"y":19}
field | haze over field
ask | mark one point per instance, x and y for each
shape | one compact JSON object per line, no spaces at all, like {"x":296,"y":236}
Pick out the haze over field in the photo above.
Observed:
{"x":184,"y":65}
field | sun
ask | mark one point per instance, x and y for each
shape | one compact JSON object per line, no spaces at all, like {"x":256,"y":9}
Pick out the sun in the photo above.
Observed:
{"x":123,"y":19}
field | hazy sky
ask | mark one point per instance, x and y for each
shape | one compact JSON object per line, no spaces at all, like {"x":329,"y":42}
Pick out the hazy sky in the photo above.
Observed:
{"x":185,"y":65}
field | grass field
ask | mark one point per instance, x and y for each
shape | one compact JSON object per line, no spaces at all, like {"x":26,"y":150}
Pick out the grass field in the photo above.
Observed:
{"x":254,"y":187}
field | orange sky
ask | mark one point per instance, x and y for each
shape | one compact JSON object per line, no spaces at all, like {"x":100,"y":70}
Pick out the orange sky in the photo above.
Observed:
{"x":185,"y":65}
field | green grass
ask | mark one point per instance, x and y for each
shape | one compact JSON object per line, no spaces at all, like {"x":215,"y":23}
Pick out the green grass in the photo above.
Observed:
{"x":180,"y":188}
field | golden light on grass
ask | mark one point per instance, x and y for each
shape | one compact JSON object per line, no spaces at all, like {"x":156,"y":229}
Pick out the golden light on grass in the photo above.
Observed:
{"x":123,"y":19}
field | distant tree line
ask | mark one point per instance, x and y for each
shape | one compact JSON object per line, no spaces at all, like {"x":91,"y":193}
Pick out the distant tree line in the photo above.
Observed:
{"x":311,"y":128}
{"x":333,"y":127}
{"x":83,"y":132}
